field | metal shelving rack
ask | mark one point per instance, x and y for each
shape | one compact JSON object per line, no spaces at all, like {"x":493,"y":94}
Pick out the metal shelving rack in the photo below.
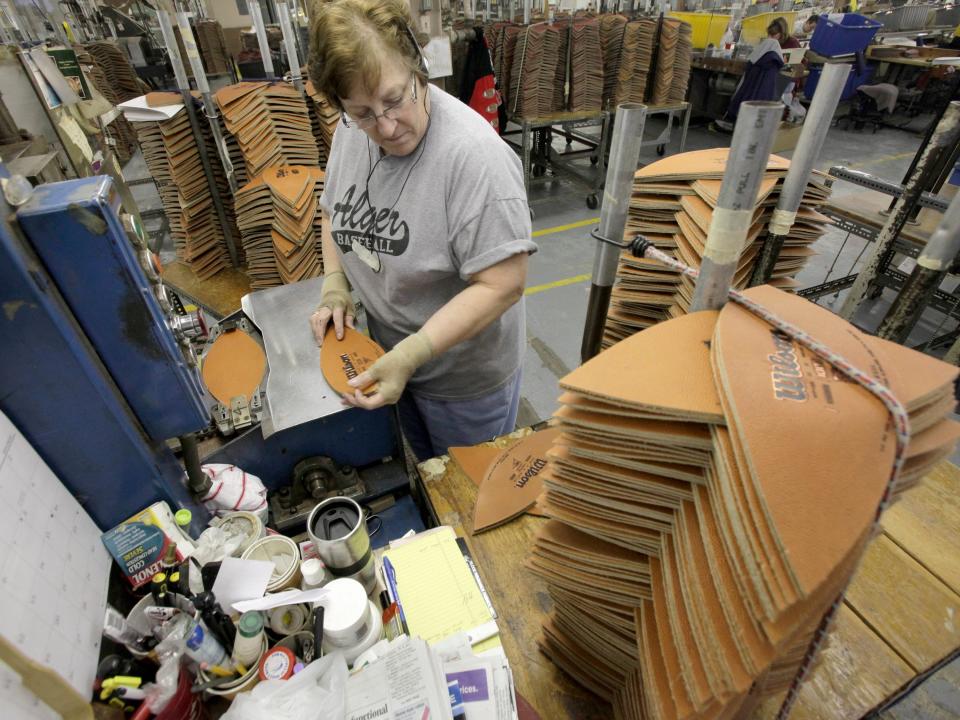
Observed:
{"x":889,"y":276}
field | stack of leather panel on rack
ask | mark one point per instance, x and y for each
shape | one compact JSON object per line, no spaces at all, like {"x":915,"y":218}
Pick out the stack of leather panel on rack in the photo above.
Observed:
{"x":711,"y":494}
{"x":503,"y":65}
{"x":611,"y":43}
{"x":117,"y":68}
{"x":234,"y":152}
{"x":636,"y":55}
{"x":666,"y":55}
{"x":683,"y":53}
{"x":672,"y":206}
{"x":170,"y":151}
{"x":119,"y":130}
{"x":213,"y":47}
{"x":326,"y":116}
{"x":538,"y":71}
{"x":271,"y":124}
{"x":279,"y":220}
{"x":586,"y":66}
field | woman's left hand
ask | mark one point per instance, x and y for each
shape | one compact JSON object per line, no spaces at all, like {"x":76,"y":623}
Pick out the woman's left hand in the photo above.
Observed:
{"x":391,"y":373}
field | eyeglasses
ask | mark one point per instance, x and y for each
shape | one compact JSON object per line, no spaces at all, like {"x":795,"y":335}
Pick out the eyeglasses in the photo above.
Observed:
{"x":390,"y":112}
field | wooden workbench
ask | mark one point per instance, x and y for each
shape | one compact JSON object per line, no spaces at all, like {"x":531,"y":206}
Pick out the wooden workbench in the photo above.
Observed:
{"x":869,"y":208}
{"x":900,"y":618}
{"x":219,"y":295}
{"x":519,"y":598}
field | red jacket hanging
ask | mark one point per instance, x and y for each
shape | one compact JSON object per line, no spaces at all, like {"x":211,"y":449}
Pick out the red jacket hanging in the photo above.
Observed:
{"x":478,"y":87}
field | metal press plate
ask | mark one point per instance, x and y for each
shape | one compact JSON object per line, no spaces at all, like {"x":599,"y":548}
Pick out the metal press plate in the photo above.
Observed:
{"x":296,"y":392}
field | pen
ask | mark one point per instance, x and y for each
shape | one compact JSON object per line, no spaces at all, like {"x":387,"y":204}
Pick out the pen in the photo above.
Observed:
{"x":392,"y":587}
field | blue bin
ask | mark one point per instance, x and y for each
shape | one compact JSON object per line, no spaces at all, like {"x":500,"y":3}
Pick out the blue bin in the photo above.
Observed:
{"x":850,"y":35}
{"x":854,"y":80}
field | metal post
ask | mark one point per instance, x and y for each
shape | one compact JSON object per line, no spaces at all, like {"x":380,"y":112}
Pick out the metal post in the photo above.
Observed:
{"x":935,"y":260}
{"x":812,"y":137}
{"x":173,"y":50}
{"x":256,"y":14}
{"x":952,"y":81}
{"x":624,"y":154}
{"x":293,"y":59}
{"x":198,"y":482}
{"x":183,"y":83}
{"x":953,"y":354}
{"x":526,"y":11}
{"x":209,"y":107}
{"x":946,"y":133}
{"x":753,"y":136}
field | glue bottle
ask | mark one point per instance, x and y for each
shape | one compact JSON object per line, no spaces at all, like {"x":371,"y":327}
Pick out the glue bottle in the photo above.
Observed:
{"x":249,"y":642}
{"x":203,"y":647}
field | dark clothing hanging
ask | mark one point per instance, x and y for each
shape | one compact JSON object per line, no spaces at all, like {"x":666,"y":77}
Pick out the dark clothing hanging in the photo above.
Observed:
{"x":759,"y":83}
{"x":477,"y":85}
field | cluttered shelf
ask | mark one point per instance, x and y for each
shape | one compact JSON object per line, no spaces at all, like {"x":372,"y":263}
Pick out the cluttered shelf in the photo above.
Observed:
{"x":882,"y":636}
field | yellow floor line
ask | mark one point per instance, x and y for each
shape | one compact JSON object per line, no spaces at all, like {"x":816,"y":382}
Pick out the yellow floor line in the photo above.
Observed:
{"x":534,"y":289}
{"x":561,"y":228}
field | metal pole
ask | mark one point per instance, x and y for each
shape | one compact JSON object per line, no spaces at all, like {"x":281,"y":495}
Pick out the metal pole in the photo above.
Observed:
{"x":935,"y":260}
{"x":624,"y":154}
{"x":952,"y":80}
{"x":946,"y":133}
{"x":753,"y":136}
{"x":209,"y":108}
{"x":526,"y":11}
{"x":812,"y":137}
{"x":288,"y":42}
{"x":257,"y":15}
{"x":198,"y":482}
{"x":953,"y":354}
{"x":184,"y":84}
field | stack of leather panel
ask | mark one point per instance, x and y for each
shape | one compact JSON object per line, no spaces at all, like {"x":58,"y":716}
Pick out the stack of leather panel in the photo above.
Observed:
{"x":672,"y":205}
{"x":280,"y":222}
{"x":711,"y":493}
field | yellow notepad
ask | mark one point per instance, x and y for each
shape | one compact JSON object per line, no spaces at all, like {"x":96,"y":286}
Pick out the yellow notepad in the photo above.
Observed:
{"x":437,"y":590}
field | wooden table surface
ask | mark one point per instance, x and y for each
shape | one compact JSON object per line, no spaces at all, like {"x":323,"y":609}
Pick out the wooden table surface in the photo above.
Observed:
{"x":898,"y":621}
{"x":219,"y":295}
{"x":520,"y":598}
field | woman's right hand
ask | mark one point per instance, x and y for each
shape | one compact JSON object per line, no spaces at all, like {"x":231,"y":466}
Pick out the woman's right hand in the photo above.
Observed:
{"x":336,"y":304}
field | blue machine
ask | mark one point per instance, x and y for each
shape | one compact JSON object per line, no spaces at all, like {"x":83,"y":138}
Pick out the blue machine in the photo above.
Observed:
{"x":75,"y":228}
{"x":90,"y":371}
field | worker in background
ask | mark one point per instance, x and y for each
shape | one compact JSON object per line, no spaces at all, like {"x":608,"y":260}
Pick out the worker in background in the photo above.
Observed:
{"x":759,"y":81}
{"x":425,"y":215}
{"x":805,"y":28}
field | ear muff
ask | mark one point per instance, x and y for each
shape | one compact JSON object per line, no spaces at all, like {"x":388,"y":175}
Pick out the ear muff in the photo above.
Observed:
{"x":424,"y":65}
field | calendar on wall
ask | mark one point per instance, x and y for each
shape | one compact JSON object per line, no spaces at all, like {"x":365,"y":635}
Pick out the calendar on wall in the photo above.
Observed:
{"x":54,"y":572}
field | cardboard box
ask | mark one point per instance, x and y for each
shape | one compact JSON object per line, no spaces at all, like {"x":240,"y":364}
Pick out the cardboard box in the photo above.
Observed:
{"x":139,"y":543}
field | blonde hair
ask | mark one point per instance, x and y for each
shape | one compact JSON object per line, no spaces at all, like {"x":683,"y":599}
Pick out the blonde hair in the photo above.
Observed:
{"x":349,"y":40}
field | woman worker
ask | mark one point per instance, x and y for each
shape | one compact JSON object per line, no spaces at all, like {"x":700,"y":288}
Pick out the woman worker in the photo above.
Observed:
{"x":425,"y":215}
{"x":759,"y":82}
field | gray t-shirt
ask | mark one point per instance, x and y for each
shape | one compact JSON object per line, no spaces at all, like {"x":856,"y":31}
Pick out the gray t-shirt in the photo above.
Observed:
{"x":411,"y":233}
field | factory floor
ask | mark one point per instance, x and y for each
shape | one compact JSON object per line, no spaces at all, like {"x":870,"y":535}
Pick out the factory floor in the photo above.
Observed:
{"x":559,"y":281}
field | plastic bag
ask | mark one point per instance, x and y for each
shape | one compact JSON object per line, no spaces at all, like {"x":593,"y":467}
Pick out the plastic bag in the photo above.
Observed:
{"x":318,"y":692}
{"x":215,"y":544}
{"x":232,"y":489}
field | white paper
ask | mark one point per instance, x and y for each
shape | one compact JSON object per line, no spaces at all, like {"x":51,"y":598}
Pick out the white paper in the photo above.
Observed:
{"x":287,"y":597}
{"x":405,"y":684}
{"x":439,"y":57}
{"x":241,"y":580}
{"x":137,"y":110}
{"x":486,"y":687}
{"x":53,"y":570}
